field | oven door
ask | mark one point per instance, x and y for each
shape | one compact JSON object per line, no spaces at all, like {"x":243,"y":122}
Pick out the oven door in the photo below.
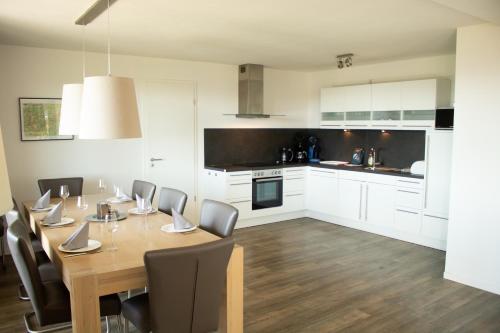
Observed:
{"x":267,"y":192}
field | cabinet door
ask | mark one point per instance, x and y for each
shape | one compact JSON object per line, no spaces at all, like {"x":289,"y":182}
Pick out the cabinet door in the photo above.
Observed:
{"x":332,"y":99}
{"x":357,"y":98}
{"x":322,"y":193}
{"x":437,"y":190}
{"x":350,"y":199}
{"x":418,"y":95}
{"x":386,"y":96}
{"x":379,"y":206}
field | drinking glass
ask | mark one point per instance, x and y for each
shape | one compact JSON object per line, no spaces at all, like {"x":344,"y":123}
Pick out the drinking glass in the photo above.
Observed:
{"x":64,"y":194}
{"x":101,"y":186}
{"x":82,"y":203}
{"x":112,"y":227}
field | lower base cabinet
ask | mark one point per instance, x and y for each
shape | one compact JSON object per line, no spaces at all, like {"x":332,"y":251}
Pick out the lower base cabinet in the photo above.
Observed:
{"x":434,"y":227}
{"x":350,"y":199}
{"x":407,"y":220}
{"x":293,"y":201}
{"x":379,"y":206}
{"x":322,"y":191}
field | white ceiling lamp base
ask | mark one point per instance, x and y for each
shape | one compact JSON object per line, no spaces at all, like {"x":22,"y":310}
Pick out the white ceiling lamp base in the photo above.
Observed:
{"x":109,"y":109}
{"x":69,"y":123}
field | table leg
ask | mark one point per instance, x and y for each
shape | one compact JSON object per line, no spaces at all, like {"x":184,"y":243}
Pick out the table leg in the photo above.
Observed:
{"x":231,"y":315}
{"x":85,"y":312}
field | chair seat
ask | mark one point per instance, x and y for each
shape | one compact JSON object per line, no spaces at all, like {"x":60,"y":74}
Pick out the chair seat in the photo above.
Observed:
{"x":58,"y":308}
{"x":136,"y":310}
{"x":49,"y":272}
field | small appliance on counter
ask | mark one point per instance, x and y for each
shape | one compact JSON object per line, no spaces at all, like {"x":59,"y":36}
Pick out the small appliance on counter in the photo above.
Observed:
{"x":300,"y":154}
{"x":313,"y":150}
{"x":286,"y":155}
{"x":358,"y":155}
{"x":418,"y":168}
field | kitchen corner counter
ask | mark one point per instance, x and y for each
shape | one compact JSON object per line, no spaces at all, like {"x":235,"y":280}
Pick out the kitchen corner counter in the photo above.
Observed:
{"x":236,"y":168}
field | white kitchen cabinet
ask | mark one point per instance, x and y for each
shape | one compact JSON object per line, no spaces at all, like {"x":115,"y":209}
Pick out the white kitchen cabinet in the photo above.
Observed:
{"x":357,"y":98}
{"x":350,"y":199}
{"x":408,"y":220}
{"x":418,"y":94}
{"x":322,"y":191}
{"x":379,"y":204}
{"x":435,"y":227}
{"x":333,"y":99}
{"x":386,"y":96}
{"x":437,"y":178}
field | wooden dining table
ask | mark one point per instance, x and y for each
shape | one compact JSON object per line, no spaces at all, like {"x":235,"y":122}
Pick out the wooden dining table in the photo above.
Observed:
{"x":105,"y":272}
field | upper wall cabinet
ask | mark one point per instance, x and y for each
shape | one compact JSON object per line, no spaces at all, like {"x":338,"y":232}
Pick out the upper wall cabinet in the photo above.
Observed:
{"x":402,"y":104}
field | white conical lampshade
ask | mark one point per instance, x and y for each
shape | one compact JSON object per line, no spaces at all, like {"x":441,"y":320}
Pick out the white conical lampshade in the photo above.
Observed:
{"x":109,"y":109}
{"x":5,"y":195}
{"x":71,"y":105}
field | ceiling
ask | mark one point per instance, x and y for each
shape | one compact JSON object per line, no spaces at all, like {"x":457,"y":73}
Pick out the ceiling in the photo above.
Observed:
{"x":286,"y":34}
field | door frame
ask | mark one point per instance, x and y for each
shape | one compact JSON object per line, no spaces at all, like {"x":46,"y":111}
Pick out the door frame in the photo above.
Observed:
{"x":194,"y":83}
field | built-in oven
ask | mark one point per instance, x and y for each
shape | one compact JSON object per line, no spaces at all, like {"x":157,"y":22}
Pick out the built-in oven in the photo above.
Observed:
{"x":267,"y":188}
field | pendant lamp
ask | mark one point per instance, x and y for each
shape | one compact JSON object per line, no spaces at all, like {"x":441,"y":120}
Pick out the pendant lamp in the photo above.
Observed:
{"x":109,"y":106}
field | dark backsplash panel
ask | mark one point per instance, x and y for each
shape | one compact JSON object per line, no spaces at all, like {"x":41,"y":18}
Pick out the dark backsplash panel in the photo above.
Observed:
{"x":225,"y":146}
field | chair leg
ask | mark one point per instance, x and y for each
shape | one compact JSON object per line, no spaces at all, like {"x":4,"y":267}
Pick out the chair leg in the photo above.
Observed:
{"x":32,"y":325}
{"x":119,"y":322}
{"x":125,"y":330}
{"x":3,"y":252}
{"x":107,"y":325}
{"x":22,"y":294}
{"x":129,"y":294}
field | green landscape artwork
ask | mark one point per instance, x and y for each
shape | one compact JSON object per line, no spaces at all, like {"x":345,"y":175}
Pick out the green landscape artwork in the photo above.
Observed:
{"x":40,"y":119}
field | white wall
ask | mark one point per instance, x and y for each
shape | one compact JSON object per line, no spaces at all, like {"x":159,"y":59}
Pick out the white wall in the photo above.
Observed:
{"x":33,"y":72}
{"x":473,"y":254}
{"x":418,"y":68}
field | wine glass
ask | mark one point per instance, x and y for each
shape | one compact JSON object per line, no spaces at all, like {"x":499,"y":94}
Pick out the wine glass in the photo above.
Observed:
{"x":64,"y":194}
{"x":82,"y":203}
{"x":101,"y":185}
{"x":112,"y":227}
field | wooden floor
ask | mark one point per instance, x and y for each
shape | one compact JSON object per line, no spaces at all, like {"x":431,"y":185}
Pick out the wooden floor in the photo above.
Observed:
{"x":310,"y":276}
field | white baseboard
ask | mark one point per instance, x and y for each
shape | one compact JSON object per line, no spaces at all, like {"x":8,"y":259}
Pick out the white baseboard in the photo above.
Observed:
{"x":245,"y":223}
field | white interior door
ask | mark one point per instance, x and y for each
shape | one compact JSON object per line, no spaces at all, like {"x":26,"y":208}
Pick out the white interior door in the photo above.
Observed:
{"x":168,"y":111}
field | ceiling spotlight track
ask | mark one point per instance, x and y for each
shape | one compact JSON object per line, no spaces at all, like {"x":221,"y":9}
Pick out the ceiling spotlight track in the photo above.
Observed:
{"x":344,"y":60}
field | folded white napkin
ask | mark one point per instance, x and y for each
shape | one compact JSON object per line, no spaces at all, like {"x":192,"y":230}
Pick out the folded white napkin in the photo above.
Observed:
{"x":55,"y":215}
{"x":78,"y":239}
{"x":143,"y":205}
{"x":43,"y":202}
{"x":180,"y":222}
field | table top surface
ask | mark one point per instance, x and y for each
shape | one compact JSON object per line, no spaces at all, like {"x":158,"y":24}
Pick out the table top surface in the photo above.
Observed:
{"x":135,"y":236}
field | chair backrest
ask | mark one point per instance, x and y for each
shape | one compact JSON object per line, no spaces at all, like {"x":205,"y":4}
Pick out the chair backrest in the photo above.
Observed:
{"x":75,"y":186}
{"x":145,"y":189}
{"x":218,"y":218}
{"x":172,"y":199}
{"x":25,"y":261}
{"x":191,"y":278}
{"x":16,"y":209}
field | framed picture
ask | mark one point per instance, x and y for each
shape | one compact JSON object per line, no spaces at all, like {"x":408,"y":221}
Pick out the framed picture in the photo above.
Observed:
{"x":39,"y":118}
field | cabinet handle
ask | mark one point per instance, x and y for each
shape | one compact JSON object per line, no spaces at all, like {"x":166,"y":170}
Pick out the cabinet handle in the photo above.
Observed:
{"x":412,"y":192}
{"x":239,"y":184}
{"x":406,"y":211}
{"x":407,"y":181}
{"x":436,"y":217}
{"x":293,"y":195}
{"x":241,"y":175}
{"x":366,"y":203}
{"x":427,"y":146}
{"x":235,"y":202}
{"x":294,"y":178}
{"x":360,"y":199}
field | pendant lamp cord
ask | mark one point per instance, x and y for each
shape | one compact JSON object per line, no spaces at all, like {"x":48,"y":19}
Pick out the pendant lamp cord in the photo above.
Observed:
{"x":109,"y":45}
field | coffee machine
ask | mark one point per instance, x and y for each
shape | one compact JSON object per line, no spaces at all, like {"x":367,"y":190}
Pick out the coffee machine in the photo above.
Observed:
{"x":313,"y":150}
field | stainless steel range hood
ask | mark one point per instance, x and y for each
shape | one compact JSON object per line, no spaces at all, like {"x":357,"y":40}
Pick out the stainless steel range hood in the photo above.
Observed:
{"x":251,"y":92}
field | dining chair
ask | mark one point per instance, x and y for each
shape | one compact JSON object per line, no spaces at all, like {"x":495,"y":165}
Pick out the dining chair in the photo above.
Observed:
{"x":218,"y":218}
{"x":2,"y":234}
{"x":172,"y":199}
{"x":75,"y":186}
{"x":185,"y":288}
{"x":50,"y":299}
{"x":144,"y":189}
